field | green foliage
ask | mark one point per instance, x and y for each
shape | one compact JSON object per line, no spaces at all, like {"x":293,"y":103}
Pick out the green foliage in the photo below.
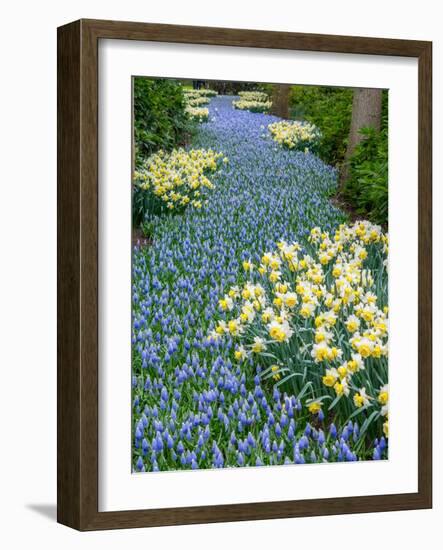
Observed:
{"x":367,"y":186}
{"x":141,"y":202}
{"x":266,"y":88}
{"x":160,"y":121}
{"x":330,"y":109}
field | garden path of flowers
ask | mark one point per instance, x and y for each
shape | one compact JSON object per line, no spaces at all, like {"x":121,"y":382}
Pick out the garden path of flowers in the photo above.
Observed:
{"x":194,"y":406}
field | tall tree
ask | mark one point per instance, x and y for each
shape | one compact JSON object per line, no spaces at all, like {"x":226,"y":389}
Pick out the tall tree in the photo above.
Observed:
{"x":366,"y":112}
{"x":280,"y":100}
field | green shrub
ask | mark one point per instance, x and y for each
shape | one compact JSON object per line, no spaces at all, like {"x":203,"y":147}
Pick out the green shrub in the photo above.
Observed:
{"x":367,"y":185}
{"x":329,"y":109}
{"x":160,"y":121}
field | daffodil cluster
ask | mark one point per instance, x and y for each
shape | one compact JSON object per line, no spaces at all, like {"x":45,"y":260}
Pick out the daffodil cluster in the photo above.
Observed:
{"x":202,"y":92}
{"x":316,"y":319}
{"x":199,"y":114}
{"x":178,"y":179}
{"x":197,"y":98}
{"x":254,"y":96}
{"x":253,"y":106}
{"x":256,"y":102}
{"x":299,"y":136}
{"x":195,"y":101}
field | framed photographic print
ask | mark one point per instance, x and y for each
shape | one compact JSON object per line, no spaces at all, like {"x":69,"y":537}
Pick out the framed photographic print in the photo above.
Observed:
{"x":244,"y":275}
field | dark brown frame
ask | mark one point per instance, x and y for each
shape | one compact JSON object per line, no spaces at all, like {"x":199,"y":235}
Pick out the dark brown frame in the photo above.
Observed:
{"x":77,"y":452}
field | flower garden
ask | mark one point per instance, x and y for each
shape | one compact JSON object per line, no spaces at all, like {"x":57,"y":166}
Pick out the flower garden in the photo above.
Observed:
{"x":260,"y":312}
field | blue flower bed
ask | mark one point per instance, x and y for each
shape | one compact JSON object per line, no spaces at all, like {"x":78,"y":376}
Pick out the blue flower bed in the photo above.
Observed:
{"x":193,"y":405}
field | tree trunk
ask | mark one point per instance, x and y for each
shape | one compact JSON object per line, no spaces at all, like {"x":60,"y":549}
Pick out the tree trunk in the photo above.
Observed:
{"x":280,"y":100}
{"x":366,"y":112}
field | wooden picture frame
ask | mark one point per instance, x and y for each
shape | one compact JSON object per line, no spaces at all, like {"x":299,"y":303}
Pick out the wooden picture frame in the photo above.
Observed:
{"x":77,"y":479}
